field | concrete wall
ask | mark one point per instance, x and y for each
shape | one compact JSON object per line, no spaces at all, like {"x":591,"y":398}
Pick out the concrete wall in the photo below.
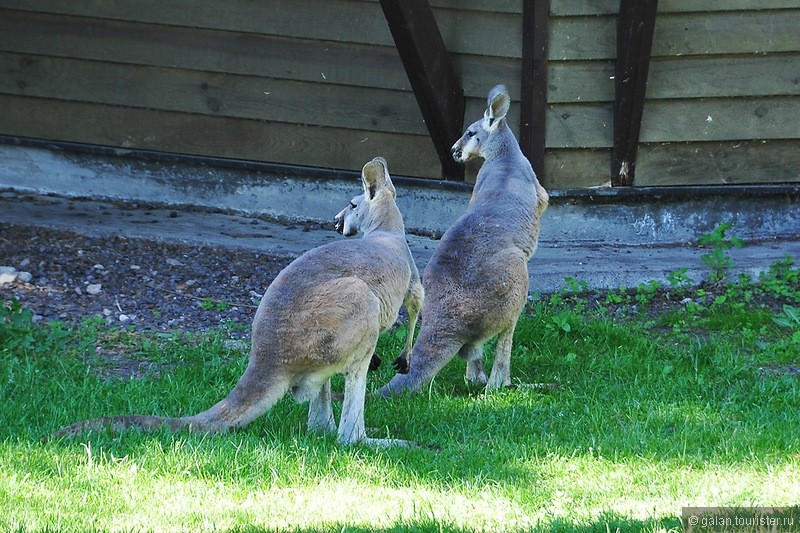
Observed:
{"x":603,"y":216}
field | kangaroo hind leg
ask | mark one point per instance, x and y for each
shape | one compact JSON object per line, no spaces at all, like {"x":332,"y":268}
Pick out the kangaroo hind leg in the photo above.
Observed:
{"x":473,"y":355}
{"x":351,"y":424}
{"x":501,"y":369}
{"x":320,"y":414}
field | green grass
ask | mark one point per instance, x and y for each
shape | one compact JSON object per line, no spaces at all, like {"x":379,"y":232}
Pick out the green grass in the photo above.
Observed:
{"x":650,"y":405}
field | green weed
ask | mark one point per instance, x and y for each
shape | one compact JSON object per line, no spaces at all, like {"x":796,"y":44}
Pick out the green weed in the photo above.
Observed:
{"x":210,"y":304}
{"x":718,"y":259}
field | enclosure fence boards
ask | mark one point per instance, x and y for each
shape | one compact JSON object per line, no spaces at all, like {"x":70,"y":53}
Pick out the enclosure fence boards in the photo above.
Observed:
{"x":635,"y":27}
{"x":430,"y":71}
{"x":533,"y":107}
{"x":321,"y":83}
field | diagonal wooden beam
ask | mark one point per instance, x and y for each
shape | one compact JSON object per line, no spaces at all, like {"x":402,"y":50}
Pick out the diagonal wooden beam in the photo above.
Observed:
{"x":430,"y":71}
{"x":533,"y":108}
{"x":635,"y":27}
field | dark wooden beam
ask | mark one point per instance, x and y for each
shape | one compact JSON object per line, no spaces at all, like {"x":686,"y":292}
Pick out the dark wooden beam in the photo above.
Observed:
{"x":635,"y":27}
{"x":533,"y":108}
{"x":430,"y":71}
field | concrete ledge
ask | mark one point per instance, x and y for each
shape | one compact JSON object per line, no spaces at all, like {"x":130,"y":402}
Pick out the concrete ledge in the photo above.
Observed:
{"x":607,"y":216}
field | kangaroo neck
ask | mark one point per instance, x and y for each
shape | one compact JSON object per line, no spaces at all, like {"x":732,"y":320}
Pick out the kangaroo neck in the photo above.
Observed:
{"x":386,"y":219}
{"x":503,"y":145}
{"x":503,"y":162}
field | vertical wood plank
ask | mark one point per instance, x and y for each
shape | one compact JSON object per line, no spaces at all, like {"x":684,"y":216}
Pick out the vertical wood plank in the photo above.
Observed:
{"x":430,"y":71}
{"x":533,"y":108}
{"x":635,"y":28}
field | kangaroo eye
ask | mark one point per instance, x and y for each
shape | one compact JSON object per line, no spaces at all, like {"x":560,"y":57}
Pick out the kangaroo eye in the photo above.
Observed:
{"x":352,"y":205}
{"x":471,"y":134}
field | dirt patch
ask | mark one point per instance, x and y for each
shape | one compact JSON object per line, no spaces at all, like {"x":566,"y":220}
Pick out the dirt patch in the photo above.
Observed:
{"x":779,"y":370}
{"x":136,"y":283}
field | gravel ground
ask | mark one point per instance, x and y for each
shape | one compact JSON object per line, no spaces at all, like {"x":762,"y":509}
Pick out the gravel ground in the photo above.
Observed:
{"x":143,"y":284}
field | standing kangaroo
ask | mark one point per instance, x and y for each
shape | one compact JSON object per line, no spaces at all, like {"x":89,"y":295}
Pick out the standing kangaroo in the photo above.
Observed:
{"x":320,"y":316}
{"x":476,"y":283}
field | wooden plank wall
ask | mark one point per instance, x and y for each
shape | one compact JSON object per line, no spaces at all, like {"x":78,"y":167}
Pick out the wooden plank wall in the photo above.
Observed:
{"x":319,"y":83}
{"x":315,"y":83}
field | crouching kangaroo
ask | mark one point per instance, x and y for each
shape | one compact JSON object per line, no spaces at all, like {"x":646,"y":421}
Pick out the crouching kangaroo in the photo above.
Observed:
{"x":320,"y":316}
{"x":476,"y":283}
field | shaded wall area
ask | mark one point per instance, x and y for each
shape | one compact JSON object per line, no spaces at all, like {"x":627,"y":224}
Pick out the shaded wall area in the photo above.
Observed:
{"x":319,"y":83}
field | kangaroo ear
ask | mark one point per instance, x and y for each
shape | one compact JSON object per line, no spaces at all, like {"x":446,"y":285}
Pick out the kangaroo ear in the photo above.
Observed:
{"x":375,"y":177}
{"x":498,"y":103}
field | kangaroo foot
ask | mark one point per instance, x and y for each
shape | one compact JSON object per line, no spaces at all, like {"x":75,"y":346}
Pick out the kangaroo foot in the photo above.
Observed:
{"x":374,"y":363}
{"x":534,"y":386}
{"x":401,"y":365}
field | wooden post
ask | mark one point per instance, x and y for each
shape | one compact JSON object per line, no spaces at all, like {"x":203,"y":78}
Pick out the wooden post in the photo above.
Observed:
{"x":431,"y":74}
{"x":533,"y":108}
{"x":635,"y":27}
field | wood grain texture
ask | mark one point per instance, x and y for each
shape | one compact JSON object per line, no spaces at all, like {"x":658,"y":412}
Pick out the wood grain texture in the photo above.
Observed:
{"x":379,"y":67}
{"x":735,"y":32}
{"x":721,"y":119}
{"x":635,"y":26}
{"x":609,"y":7}
{"x":577,"y":168}
{"x":205,"y":50}
{"x":731,"y":60}
{"x":467,"y":32}
{"x":214,"y":136}
{"x":719,"y":163}
{"x":192,"y":91}
{"x":486,"y":33}
{"x":430,"y":71}
{"x":560,"y":8}
{"x":533,"y":84}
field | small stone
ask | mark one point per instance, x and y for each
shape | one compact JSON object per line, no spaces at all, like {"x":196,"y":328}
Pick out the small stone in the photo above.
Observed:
{"x":98,"y":266}
{"x":124,"y":318}
{"x":6,"y":278}
{"x":78,"y":291}
{"x":235,"y":344}
{"x":107,"y":312}
{"x":94,"y":288}
{"x":173,"y":262}
{"x":25,"y":277}
{"x":25,"y":262}
{"x":135,"y":267}
{"x":7,"y":270}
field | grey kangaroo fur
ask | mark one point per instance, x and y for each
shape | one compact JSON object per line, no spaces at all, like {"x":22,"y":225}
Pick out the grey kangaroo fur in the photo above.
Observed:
{"x":320,"y":316}
{"x":476,"y":283}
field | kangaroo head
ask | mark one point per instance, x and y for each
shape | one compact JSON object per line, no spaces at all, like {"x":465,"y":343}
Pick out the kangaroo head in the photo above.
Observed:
{"x":479,"y":134}
{"x":363,"y":211}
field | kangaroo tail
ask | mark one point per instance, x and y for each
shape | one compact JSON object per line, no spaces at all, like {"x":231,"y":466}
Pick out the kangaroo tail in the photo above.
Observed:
{"x":145,"y":422}
{"x":255,"y":393}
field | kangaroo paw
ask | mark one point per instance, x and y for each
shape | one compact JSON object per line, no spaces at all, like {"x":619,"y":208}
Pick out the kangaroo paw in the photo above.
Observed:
{"x":401,"y":365}
{"x":374,"y":363}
